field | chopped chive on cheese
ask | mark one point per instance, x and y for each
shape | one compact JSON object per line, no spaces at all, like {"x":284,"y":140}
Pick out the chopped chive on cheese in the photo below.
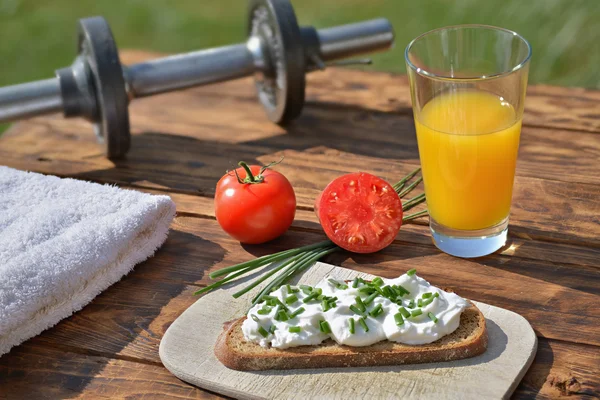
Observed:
{"x":403,"y":289}
{"x":264,"y":311}
{"x":388,"y":292}
{"x":272,"y":329}
{"x":432,"y":317}
{"x":420,"y":303}
{"x":324,"y":327}
{"x":405,"y":313}
{"x":359,"y":304}
{"x":325,"y":305}
{"x":319,"y":291}
{"x":311,"y":296}
{"x":297,"y":312}
{"x":263,"y":332}
{"x":283,"y":306}
{"x":377,"y":281}
{"x":306,"y":289}
{"x":427,"y":295}
{"x":355,"y":283}
{"x":291,"y":299}
{"x":351,"y":322}
{"x":338,"y":285}
{"x":282,"y":316}
{"x":363,"y":323}
{"x":369,"y":299}
{"x":254,"y":317}
{"x":436,"y":294}
{"x":376,"y":311}
{"x":416,"y":312}
{"x":411,"y":304}
{"x":411,"y":272}
{"x":399,"y":319}
{"x":267,"y":297}
{"x":291,"y":289}
{"x":356,"y":310}
{"x":294,"y":329}
{"x":367,"y":290}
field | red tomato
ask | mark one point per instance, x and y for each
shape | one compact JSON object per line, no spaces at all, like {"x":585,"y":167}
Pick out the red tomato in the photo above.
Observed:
{"x":255,"y":212}
{"x":360,"y":212}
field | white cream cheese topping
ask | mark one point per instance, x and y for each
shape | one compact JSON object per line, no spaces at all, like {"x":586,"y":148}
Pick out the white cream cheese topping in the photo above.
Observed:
{"x":440,"y":314}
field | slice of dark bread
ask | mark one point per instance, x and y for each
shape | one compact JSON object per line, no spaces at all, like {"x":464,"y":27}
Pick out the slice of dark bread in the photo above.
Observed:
{"x":470,"y":339}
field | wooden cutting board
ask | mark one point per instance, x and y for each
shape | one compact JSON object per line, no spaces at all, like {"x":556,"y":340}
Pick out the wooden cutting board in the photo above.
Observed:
{"x":187,"y":351}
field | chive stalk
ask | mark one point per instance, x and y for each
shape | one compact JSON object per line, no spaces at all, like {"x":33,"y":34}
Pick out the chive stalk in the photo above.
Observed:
{"x":324,"y":327}
{"x":416,"y":312}
{"x":351,"y":322}
{"x":432,"y":317}
{"x":369,"y":299}
{"x":399,"y":319}
{"x":297,"y":312}
{"x":405,"y":313}
{"x":291,"y":299}
{"x":363,"y":323}
{"x":263,"y":332}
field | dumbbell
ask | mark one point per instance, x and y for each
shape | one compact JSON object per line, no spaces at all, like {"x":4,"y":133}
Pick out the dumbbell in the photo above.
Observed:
{"x":278,"y":53}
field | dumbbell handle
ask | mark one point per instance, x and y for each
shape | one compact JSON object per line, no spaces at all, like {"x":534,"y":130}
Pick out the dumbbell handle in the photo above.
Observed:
{"x":237,"y":61}
{"x":30,"y":99}
{"x":197,"y":68}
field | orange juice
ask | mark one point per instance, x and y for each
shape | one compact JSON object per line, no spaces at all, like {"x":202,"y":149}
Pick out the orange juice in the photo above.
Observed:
{"x":468,"y":143}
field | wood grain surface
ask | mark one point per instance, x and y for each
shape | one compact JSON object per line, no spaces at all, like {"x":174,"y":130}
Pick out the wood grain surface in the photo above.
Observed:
{"x":183,"y":142}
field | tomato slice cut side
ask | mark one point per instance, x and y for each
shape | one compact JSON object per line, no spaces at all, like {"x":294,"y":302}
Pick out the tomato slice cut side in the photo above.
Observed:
{"x":360,"y":212}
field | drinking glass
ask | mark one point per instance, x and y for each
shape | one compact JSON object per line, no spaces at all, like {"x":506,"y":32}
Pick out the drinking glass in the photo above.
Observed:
{"x":468,"y":87}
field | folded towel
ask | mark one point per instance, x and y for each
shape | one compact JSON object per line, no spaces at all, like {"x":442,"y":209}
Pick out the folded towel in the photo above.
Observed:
{"x":63,"y":241}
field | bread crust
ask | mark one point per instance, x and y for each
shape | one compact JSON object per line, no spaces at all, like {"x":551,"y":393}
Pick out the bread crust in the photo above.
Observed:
{"x":469,"y":340}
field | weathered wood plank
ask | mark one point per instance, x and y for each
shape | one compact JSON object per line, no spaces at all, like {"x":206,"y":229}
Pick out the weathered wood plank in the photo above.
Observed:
{"x":417,"y":232}
{"x":542,"y":209}
{"x":38,"y":372}
{"x":558,"y":155}
{"x":557,"y":372}
{"x":546,"y":106}
{"x":130,"y":317}
{"x":32,"y":371}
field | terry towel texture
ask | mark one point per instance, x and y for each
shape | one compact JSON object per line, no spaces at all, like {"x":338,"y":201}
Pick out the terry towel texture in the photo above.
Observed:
{"x":63,"y":241}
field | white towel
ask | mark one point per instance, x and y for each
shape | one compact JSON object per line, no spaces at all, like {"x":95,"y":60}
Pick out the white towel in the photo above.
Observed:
{"x":63,"y":241}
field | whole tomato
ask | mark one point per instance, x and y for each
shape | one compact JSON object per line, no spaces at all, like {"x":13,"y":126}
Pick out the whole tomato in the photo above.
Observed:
{"x":254,"y":204}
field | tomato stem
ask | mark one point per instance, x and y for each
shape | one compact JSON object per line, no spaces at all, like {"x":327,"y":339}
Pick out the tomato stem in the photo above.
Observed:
{"x":249,"y":175}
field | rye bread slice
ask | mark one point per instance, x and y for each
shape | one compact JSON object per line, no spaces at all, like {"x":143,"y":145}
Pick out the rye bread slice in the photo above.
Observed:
{"x":468,"y":340}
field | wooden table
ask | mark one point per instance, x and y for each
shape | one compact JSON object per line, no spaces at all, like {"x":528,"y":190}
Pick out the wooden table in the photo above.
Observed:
{"x":183,"y":142}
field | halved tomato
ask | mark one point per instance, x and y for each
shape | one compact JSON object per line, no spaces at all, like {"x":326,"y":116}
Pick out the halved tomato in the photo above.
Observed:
{"x":360,"y":212}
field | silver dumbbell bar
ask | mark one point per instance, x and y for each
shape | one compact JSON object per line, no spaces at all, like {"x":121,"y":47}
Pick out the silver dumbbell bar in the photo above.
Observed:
{"x":278,"y":53}
{"x":196,"y":68}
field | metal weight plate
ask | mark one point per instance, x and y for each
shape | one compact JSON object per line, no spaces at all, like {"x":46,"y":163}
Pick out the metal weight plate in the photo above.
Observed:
{"x":97,"y":46}
{"x":281,"y":90}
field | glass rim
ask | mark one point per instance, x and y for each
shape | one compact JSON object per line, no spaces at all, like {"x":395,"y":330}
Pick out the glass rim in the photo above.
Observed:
{"x":432,"y":75}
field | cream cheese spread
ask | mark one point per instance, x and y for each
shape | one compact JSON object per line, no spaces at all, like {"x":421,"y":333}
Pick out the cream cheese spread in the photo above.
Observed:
{"x":407,"y":309}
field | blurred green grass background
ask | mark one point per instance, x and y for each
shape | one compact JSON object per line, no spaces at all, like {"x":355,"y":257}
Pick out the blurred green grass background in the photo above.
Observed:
{"x":39,"y":37}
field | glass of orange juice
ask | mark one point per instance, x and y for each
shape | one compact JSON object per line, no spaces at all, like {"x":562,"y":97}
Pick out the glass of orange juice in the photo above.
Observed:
{"x":468,"y":87}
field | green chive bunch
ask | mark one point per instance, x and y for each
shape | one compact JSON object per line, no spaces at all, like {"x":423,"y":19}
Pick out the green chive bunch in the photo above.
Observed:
{"x":288,"y":263}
